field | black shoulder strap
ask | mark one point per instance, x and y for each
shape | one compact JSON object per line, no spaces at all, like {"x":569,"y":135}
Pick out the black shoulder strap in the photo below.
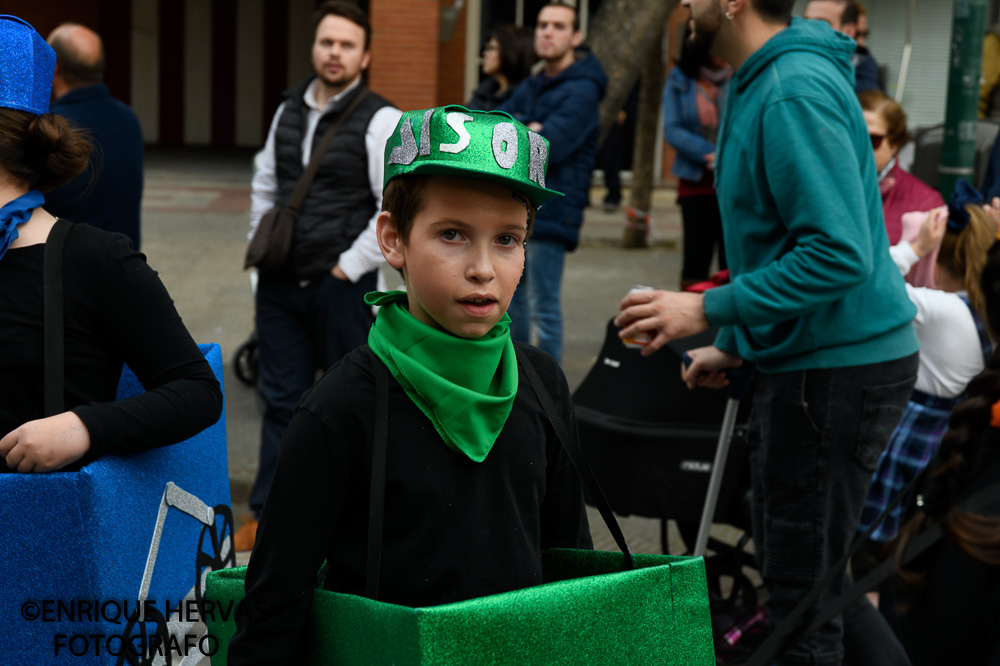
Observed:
{"x":376,"y":498}
{"x":52,"y":285}
{"x":572,"y":448}
{"x":984,"y":338}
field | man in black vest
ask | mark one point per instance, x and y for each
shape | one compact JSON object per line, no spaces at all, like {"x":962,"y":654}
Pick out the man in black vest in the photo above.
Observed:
{"x":311,"y":312}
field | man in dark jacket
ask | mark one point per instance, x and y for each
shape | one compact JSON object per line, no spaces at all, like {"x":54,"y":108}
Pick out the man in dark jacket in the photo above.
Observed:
{"x":108,"y":194}
{"x":311,"y":311}
{"x":845,"y":16}
{"x":560,"y":103}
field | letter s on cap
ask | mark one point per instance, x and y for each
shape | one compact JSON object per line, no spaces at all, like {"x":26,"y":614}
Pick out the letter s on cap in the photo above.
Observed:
{"x":457,"y":121}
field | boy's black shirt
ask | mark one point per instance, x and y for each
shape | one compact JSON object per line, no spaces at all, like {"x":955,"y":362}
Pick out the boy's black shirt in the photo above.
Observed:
{"x":454,"y":529}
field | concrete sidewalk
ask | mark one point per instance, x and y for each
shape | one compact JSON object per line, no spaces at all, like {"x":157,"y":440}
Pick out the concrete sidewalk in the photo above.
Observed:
{"x":195,"y":212}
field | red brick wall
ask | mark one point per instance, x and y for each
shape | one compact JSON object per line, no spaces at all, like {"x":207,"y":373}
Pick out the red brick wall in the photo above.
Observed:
{"x":451,"y":62}
{"x":405,"y":52}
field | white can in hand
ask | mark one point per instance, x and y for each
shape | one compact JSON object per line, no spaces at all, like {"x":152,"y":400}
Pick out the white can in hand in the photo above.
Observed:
{"x":641,"y":339}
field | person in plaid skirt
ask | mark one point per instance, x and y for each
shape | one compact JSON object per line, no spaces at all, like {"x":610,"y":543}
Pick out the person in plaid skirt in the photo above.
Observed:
{"x":954,"y":346}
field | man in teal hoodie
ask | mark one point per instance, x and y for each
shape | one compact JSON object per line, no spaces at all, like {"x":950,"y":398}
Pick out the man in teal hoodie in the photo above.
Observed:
{"x":814,"y":301}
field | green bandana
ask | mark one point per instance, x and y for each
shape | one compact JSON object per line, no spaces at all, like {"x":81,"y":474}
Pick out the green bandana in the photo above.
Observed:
{"x":465,"y":387}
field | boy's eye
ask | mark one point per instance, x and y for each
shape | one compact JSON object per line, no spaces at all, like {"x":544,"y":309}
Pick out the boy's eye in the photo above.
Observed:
{"x":451,"y":234}
{"x":507,"y":239}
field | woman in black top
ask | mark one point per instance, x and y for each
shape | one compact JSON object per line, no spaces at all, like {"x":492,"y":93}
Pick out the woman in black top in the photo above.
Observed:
{"x":507,"y":60}
{"x":116,"y":310}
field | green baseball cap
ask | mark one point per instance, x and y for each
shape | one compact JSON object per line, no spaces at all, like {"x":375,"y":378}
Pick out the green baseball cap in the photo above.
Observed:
{"x":455,"y":141}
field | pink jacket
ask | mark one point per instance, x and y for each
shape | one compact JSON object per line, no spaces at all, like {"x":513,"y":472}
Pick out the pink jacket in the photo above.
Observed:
{"x":903,"y":193}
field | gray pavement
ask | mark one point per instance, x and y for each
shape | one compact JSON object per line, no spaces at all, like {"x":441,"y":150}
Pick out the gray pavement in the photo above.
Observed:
{"x":195,"y":211}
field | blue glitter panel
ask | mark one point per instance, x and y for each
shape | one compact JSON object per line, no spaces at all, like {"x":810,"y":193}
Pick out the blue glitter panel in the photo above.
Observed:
{"x":92,"y":535}
{"x":26,"y":67}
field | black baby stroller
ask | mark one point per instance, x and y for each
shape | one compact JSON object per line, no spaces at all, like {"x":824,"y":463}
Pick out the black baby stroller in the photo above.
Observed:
{"x":652,"y":441}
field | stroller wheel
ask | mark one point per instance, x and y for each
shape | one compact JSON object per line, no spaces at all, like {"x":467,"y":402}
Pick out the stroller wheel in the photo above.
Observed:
{"x":245,"y":361}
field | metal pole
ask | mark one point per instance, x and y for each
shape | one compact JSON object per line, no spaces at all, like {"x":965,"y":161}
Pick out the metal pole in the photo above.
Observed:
{"x":715,"y":480}
{"x":904,"y":67}
{"x":958,"y":154}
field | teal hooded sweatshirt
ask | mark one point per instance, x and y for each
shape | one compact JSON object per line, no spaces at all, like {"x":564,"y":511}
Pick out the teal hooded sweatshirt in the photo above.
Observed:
{"x":813,"y":285}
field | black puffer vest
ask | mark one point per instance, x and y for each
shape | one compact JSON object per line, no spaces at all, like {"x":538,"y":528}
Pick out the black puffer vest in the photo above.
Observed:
{"x":339,"y":202}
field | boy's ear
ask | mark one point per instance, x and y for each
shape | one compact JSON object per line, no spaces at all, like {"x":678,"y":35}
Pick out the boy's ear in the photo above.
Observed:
{"x":389,"y":240}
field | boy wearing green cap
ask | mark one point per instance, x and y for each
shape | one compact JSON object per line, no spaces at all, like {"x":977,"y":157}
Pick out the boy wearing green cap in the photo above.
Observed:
{"x":477,"y":482}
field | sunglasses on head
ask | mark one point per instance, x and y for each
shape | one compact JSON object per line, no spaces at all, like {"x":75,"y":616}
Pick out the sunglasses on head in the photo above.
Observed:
{"x":877,"y":140}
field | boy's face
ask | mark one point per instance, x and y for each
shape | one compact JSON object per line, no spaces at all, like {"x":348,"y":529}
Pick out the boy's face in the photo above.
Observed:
{"x":464,"y":255}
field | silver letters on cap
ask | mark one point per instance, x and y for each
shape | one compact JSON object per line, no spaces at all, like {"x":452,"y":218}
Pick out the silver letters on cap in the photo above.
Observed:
{"x":505,"y":144}
{"x":406,"y":151}
{"x":425,"y":133}
{"x":537,"y":155}
{"x":457,"y":121}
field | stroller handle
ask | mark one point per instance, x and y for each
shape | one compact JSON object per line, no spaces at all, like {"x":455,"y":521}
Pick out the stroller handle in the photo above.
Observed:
{"x":739,"y":378}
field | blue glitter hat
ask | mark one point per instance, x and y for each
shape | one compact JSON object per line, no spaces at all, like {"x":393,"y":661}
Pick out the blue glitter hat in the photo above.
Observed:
{"x":26,"y":67}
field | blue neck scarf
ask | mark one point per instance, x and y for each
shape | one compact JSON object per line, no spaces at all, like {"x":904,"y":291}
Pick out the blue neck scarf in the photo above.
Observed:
{"x":16,"y":213}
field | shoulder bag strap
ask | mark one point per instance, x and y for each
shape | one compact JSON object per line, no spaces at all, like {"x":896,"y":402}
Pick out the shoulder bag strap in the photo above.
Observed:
{"x":317,"y":156}
{"x":572,"y":448}
{"x":52,"y":290}
{"x":376,"y":498}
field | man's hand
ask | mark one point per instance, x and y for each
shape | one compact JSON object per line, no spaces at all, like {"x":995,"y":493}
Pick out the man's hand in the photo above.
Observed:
{"x":931,"y":232}
{"x":339,"y":274}
{"x":710,"y":161}
{"x":46,"y":444}
{"x":707,"y":367}
{"x":536,"y":126}
{"x":665,"y":315}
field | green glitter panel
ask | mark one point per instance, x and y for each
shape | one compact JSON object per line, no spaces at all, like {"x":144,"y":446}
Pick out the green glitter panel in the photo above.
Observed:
{"x":589,"y":611}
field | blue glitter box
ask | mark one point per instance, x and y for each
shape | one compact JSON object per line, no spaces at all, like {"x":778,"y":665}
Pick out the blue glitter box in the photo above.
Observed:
{"x":81,"y":551}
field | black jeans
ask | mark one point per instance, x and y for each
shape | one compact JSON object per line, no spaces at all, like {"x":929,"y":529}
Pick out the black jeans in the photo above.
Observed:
{"x":702,"y":224}
{"x":301,"y":329}
{"x":816,"y":438}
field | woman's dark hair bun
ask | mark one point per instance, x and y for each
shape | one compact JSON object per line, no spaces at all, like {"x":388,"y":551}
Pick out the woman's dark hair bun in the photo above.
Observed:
{"x":42,"y":151}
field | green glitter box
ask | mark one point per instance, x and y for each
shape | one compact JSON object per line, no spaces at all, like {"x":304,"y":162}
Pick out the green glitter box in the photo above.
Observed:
{"x":587,"y":612}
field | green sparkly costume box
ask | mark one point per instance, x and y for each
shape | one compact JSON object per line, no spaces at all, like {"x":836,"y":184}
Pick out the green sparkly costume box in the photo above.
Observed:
{"x":587,"y":612}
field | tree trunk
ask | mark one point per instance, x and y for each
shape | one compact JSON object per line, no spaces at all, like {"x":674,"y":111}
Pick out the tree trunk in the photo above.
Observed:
{"x":622,"y":34}
{"x":627,"y":37}
{"x":650,"y":94}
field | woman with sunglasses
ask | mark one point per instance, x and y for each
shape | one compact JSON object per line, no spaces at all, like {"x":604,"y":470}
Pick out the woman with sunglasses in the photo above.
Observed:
{"x":901,"y":191}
